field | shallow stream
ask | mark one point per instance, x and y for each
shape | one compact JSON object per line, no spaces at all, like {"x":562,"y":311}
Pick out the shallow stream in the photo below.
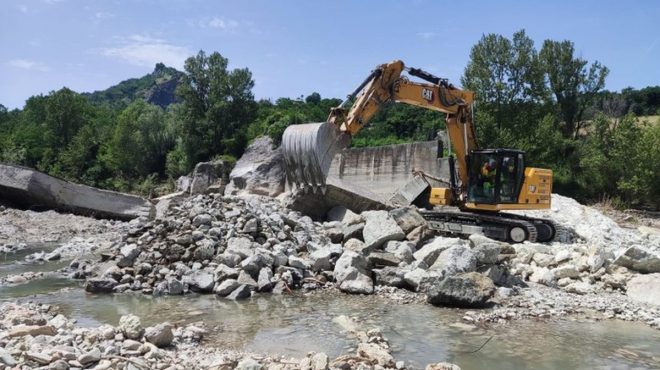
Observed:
{"x":419,"y":334}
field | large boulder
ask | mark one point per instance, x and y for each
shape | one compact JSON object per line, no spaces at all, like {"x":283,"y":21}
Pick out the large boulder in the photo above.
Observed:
{"x":352,"y":275}
{"x":638,"y":259}
{"x":408,"y":218}
{"x":415,"y":278}
{"x":430,"y":252}
{"x":485,"y":249}
{"x":241,"y":246}
{"x":379,"y":228}
{"x":390,"y":276}
{"x":128,"y":254}
{"x":402,"y":250}
{"x":463,"y":290}
{"x":259,"y":171}
{"x":207,"y":174}
{"x":242,"y":292}
{"x":455,"y":260}
{"x":226,"y":287}
{"x":359,"y":284}
{"x":201,"y":281}
{"x":644,"y":288}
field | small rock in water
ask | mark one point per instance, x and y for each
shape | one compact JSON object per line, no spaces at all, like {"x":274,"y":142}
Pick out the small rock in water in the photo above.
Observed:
{"x":442,"y":366}
{"x":242,"y":292}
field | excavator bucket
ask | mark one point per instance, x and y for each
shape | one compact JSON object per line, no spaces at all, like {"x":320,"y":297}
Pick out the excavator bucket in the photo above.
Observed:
{"x":308,"y":151}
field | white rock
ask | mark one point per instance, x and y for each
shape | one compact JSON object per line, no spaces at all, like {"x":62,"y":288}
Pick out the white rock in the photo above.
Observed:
{"x":562,"y":255}
{"x":455,"y":260}
{"x":379,"y":228}
{"x":566,"y":271}
{"x":579,"y":287}
{"x":159,"y":335}
{"x":131,"y":326}
{"x":344,"y":215}
{"x":430,"y":252}
{"x":542,"y":275}
{"x":248,"y":364}
{"x":644,"y":288}
{"x":543,"y":259}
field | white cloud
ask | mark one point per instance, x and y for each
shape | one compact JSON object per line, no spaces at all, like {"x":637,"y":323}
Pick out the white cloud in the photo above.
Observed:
{"x":142,"y":38}
{"x":426,"y":35}
{"x":103,"y":15}
{"x":23,"y":8}
{"x":53,"y":1}
{"x":222,"y":23}
{"x":28,"y":65}
{"x":144,"y":50}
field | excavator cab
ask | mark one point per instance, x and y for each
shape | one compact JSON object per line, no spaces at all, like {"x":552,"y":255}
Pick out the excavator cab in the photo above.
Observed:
{"x":495,"y":176}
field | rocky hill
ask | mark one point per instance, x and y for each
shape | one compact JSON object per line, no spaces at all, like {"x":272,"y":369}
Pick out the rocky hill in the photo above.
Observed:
{"x":157,"y":87}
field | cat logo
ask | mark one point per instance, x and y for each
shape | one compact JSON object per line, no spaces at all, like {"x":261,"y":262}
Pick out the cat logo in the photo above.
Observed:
{"x":427,"y":94}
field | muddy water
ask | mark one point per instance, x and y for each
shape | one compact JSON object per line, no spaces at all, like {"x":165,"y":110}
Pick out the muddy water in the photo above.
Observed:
{"x":419,"y":334}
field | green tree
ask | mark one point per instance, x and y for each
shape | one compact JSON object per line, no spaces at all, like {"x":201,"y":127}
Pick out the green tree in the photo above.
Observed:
{"x":507,"y":77}
{"x":573,"y":82}
{"x":217,"y":106}
{"x":140,"y":142}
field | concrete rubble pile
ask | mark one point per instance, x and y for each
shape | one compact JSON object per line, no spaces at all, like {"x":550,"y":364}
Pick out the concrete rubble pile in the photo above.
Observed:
{"x":235,"y":247}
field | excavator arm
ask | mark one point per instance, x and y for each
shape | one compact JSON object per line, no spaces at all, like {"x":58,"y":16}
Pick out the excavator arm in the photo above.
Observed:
{"x":309,"y":148}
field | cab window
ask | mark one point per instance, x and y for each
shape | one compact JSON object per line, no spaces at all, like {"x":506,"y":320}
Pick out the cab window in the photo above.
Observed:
{"x":483,"y":178}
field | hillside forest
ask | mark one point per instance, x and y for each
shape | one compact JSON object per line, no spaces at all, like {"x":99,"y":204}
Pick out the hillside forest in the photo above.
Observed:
{"x":143,"y":133}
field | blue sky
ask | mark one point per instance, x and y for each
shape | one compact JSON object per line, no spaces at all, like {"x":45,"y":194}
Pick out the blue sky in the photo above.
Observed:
{"x":294,"y":48}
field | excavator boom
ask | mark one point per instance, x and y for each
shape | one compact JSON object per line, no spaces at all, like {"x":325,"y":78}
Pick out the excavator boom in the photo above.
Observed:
{"x":309,"y":148}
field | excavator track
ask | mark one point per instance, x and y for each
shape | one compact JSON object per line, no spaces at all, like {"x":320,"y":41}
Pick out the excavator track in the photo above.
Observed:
{"x":500,"y":226}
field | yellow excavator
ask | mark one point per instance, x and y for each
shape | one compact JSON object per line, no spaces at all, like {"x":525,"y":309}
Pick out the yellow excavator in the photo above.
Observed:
{"x":482,"y":183}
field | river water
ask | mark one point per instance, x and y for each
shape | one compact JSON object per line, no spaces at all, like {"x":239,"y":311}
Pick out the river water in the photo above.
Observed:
{"x":419,"y":334}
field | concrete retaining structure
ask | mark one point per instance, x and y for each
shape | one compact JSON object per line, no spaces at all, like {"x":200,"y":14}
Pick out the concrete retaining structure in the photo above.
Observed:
{"x":29,"y":188}
{"x":385,"y":169}
{"x":362,"y":179}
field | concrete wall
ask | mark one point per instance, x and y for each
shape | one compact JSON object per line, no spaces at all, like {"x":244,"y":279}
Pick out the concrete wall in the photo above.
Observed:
{"x":385,"y":169}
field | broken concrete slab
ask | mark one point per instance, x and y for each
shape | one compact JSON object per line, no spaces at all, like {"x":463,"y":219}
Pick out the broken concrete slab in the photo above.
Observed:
{"x":411,"y":191}
{"x":337,"y":193}
{"x":28,"y":188}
